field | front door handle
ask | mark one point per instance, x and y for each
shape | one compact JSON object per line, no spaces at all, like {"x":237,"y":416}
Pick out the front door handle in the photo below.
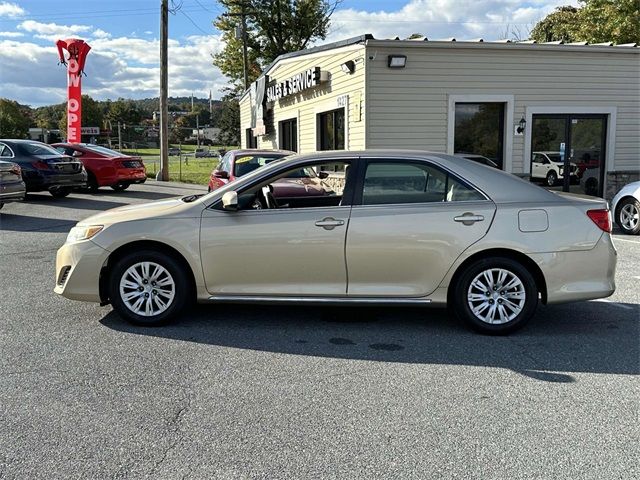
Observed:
{"x":468,"y":218}
{"x":329,"y":223}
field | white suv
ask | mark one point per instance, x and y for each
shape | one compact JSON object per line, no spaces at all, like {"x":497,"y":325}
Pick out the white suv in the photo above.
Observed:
{"x":548,"y":166}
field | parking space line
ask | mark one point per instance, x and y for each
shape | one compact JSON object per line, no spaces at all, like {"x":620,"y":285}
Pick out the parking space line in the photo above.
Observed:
{"x":615,"y":239}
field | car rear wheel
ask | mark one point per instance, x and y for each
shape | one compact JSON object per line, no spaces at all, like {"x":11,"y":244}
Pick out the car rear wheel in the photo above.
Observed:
{"x":118,"y":187}
{"x":148,"y":288}
{"x":628,"y":216}
{"x":552,"y":178}
{"x":60,"y":192}
{"x":495,"y":296}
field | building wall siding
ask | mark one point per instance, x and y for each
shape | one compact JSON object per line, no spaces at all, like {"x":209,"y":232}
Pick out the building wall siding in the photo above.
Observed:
{"x":306,"y":105}
{"x":408,"y":107}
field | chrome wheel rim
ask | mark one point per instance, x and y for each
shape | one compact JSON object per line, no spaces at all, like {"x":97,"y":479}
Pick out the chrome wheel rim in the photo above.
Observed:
{"x":147,"y":289}
{"x":629,"y":216}
{"x":496,"y":296}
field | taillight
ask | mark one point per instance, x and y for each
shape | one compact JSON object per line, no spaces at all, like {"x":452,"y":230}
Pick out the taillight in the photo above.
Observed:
{"x":16,"y":170}
{"x":40,"y":165}
{"x":602,"y":218}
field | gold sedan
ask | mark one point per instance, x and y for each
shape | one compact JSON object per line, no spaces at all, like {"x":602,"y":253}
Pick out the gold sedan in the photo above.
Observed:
{"x":394,"y":228}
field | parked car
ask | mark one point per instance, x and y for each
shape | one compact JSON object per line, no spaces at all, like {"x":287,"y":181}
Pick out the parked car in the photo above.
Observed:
{"x":106,"y":167}
{"x":204,"y":153}
{"x":173,"y":151}
{"x":410,"y":228}
{"x":626,"y":208}
{"x":479,"y":159}
{"x":43,"y":167}
{"x":549,"y":167}
{"x":12,"y":187}
{"x":236,"y":163}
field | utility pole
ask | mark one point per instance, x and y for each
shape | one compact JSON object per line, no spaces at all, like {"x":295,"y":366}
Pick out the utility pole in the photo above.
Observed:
{"x":119,"y":138}
{"x":198,"y":130}
{"x":164,"y":90}
{"x":243,"y":25}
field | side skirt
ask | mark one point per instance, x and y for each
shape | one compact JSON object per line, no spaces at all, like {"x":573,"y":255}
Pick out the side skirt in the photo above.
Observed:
{"x":321,"y":300}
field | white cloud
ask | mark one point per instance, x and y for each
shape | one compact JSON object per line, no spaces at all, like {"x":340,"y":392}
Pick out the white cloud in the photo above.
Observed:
{"x":11,"y":10}
{"x":439,"y":19}
{"x":119,"y":67}
{"x":53,"y":31}
{"x":11,"y":34}
{"x":99,"y":33}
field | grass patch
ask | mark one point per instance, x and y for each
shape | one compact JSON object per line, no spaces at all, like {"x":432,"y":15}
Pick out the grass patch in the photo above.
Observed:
{"x":188,"y":170}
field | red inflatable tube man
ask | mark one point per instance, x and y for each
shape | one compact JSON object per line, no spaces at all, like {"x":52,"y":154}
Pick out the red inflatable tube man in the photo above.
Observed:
{"x":78,"y":51}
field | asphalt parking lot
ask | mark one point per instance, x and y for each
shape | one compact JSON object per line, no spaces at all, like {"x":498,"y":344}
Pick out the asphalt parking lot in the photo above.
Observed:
{"x":280,"y":392}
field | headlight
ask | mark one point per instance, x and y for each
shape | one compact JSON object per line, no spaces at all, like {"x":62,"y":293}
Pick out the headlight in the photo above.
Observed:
{"x":78,"y":234}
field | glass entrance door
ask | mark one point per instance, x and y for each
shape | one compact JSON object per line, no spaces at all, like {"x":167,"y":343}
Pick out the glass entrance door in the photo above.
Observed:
{"x":568,"y":152}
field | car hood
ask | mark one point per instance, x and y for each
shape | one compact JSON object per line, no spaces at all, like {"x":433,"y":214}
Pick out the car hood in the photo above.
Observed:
{"x":160,"y":209}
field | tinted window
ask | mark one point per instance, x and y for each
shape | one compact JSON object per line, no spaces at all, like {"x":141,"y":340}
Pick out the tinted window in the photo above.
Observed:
{"x":289,"y":135}
{"x":392,"y":183}
{"x":102,"y":150}
{"x":38,"y":149}
{"x":331,"y":130}
{"x":5,"y":151}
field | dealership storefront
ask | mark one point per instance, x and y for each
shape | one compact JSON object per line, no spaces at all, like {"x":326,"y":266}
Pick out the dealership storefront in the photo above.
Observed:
{"x":536,"y":110}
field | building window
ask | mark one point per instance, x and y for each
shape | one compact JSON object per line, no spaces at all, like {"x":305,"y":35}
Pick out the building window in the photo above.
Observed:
{"x":289,"y":135}
{"x":331,"y":130}
{"x":252,"y":142}
{"x":479,"y":130}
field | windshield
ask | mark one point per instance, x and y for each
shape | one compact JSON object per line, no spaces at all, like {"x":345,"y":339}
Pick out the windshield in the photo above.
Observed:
{"x":248,"y":163}
{"x":102,"y":150}
{"x":39,"y":149}
{"x":554,"y":157}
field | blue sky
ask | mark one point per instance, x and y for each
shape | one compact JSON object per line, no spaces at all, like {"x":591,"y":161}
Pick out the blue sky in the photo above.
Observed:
{"x":124,"y":39}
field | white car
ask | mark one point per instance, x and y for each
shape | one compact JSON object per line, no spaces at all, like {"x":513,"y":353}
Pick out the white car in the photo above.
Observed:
{"x":548,"y":166}
{"x":626,"y":208}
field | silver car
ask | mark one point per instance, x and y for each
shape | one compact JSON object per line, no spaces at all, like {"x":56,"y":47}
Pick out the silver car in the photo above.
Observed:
{"x":397,"y":228}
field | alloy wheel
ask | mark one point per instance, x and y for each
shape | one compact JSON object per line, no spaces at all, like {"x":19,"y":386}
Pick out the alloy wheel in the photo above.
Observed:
{"x":147,"y":288}
{"x":496,"y":296}
{"x":629,"y":216}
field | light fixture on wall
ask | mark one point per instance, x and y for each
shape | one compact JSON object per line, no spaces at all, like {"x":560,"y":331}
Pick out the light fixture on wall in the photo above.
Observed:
{"x":348,"y":67}
{"x":521,"y":124}
{"x":397,"y":61}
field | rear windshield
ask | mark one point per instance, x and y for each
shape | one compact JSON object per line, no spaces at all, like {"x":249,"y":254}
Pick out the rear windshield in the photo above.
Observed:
{"x":38,"y":149}
{"x":248,"y":163}
{"x":102,"y":150}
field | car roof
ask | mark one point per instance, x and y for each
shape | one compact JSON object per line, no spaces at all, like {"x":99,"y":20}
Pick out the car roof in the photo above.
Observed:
{"x":265,"y":151}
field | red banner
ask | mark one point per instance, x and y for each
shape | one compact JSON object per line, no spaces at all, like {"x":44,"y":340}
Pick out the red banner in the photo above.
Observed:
{"x":78,"y":51}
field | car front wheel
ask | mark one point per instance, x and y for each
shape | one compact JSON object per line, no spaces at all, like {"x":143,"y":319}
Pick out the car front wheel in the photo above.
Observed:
{"x":118,"y":187}
{"x":495,"y":296}
{"x":552,"y":178}
{"x":149,"y":288}
{"x":60,"y":192}
{"x":628,"y":216}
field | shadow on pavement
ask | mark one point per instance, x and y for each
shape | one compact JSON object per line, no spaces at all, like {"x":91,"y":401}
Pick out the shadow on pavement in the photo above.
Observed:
{"x":10,"y":222}
{"x":595,"y":337}
{"x":108,"y":193}
{"x":82,"y":203}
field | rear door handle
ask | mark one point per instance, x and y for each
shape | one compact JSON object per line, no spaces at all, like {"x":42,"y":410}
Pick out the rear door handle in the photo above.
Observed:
{"x":329,"y":223}
{"x":468,"y":218}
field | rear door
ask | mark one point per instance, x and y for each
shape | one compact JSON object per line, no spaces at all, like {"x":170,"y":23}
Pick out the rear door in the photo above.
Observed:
{"x":410,"y":221}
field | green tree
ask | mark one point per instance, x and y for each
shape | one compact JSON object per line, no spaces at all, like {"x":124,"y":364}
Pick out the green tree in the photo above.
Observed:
{"x":595,"y":21}
{"x":229,"y":123}
{"x":274,"y":27}
{"x":124,"y":111}
{"x":14,"y":119}
{"x":49,"y":117}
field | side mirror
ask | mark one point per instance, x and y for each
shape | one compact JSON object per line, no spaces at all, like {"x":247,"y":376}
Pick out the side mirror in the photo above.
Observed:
{"x":77,"y":153}
{"x":221,"y":174}
{"x":323,"y":175}
{"x":230,"y":200}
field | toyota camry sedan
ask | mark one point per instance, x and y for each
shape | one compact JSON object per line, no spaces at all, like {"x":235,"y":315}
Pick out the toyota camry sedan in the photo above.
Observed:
{"x":405,"y":228}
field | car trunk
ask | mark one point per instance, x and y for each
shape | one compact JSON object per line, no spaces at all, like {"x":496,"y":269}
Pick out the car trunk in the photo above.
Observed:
{"x":584,"y":202}
{"x":61,"y":164}
{"x":9,"y":173}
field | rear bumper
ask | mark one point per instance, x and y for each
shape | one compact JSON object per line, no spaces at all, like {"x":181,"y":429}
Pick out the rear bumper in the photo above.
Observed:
{"x":579,"y":275}
{"x":78,"y":268}
{"x":12,"y":192}
{"x":36,"y":182}
{"x":121,"y":175}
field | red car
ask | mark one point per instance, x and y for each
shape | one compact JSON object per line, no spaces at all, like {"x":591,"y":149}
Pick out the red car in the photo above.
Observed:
{"x":236,"y":163}
{"x":105,"y":167}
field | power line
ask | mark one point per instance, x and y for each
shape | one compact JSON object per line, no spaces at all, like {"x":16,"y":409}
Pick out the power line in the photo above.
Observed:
{"x":194,"y":23}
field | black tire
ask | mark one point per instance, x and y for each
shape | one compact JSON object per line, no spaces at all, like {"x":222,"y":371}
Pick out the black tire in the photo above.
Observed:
{"x":1,"y":205}
{"x":631,"y":206}
{"x":182,"y":293}
{"x":118,"y":187}
{"x":591,"y":186}
{"x":92,"y":183}
{"x":462,"y":290}
{"x":60,"y":192}
{"x":552,"y":178}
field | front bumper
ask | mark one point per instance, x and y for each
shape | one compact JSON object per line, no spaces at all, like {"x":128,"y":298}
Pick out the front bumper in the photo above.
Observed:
{"x":580,"y":275}
{"x":78,"y":267}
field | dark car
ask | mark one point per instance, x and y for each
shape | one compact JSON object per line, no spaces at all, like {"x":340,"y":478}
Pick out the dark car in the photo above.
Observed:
{"x":105,"y":167}
{"x":43,"y":167}
{"x":12,"y":188}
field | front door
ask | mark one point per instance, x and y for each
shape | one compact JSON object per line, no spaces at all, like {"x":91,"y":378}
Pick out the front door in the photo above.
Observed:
{"x":568,"y":152}
{"x":286,"y":243}
{"x":408,"y":226}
